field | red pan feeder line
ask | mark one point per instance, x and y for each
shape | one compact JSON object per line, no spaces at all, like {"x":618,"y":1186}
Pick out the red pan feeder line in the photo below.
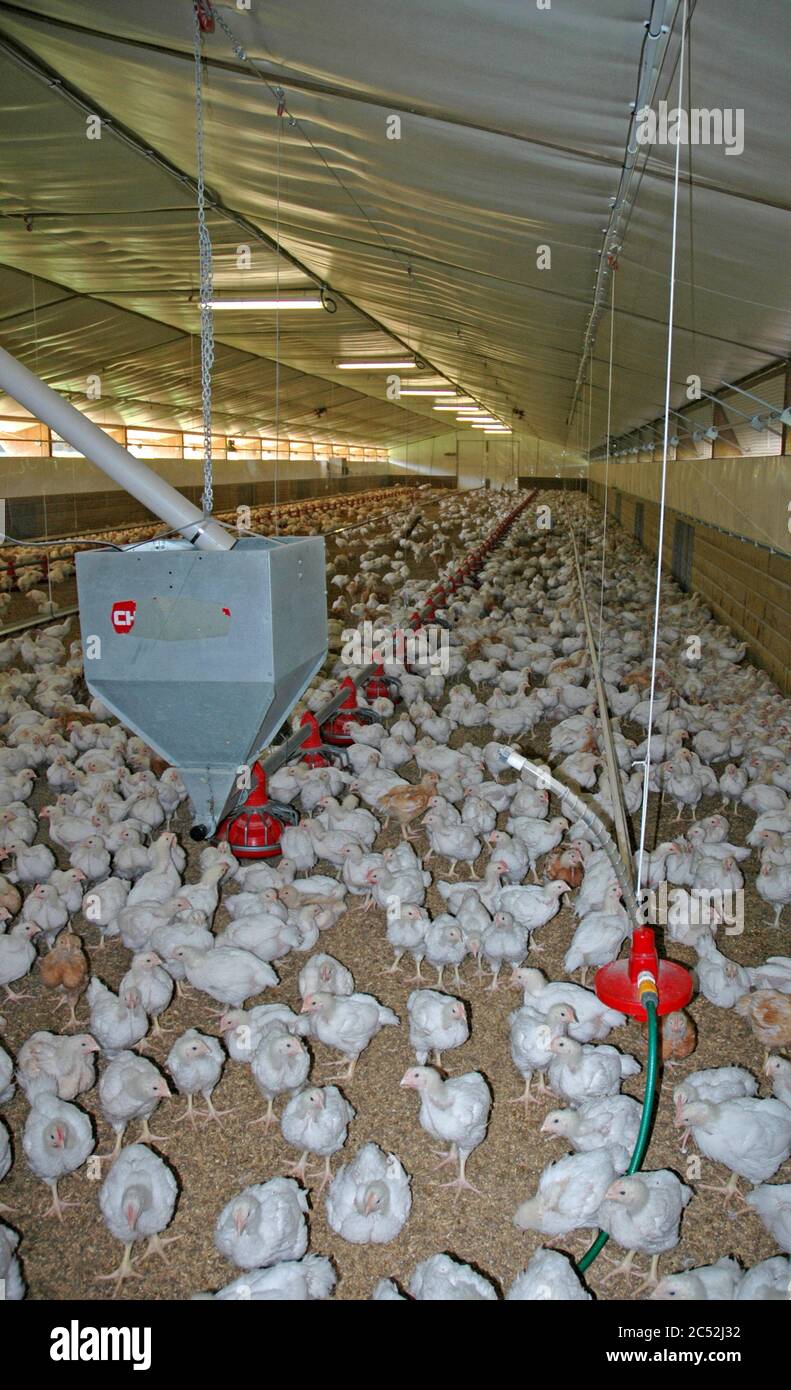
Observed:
{"x":468,"y":566}
{"x":253,"y":830}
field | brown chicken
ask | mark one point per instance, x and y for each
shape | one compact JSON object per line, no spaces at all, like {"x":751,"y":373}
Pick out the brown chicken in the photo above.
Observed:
{"x":769,"y":1015}
{"x":406,"y":804}
{"x":10,"y":896}
{"x":66,"y":969}
{"x":679,"y":1037}
{"x":566,"y":864}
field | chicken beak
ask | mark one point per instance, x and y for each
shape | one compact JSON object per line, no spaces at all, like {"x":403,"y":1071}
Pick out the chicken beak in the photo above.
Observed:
{"x":239,"y":1221}
{"x":305,"y":1009}
{"x":369,"y":1204}
{"x":163,"y":1090}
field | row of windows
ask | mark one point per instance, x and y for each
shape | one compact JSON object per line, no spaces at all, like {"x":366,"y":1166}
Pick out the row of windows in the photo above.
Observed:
{"x":26,"y":438}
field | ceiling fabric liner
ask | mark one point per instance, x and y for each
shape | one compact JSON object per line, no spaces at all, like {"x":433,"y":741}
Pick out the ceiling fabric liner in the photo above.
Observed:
{"x":513,"y":123}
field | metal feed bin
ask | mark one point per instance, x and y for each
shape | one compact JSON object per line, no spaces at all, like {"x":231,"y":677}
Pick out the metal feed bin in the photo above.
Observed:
{"x":203,"y":653}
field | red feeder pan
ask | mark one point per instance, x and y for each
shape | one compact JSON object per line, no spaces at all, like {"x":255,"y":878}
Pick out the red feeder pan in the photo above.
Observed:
{"x":311,"y":749}
{"x":336,"y":730}
{"x":381,"y":686}
{"x":616,"y":984}
{"x":253,"y":832}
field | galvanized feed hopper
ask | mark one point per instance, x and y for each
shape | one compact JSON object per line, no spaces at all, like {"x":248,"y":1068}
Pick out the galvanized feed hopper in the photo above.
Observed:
{"x":203,"y":653}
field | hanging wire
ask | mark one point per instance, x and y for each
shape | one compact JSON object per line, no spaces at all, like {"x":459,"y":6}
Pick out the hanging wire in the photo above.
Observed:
{"x":280,"y":110}
{"x":206,"y":278}
{"x":587,"y":507}
{"x":607,"y":462}
{"x":665,"y":441}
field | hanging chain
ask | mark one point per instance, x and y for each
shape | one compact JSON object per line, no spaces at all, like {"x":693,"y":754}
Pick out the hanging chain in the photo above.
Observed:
{"x":206,"y":281}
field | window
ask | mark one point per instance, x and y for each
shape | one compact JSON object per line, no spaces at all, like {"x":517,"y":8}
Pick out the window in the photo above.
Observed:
{"x":193,"y":446}
{"x":22,"y":438}
{"x":639,"y":521}
{"x":681,"y":564}
{"x":239,"y":447}
{"x":154,"y":444}
{"x":275,"y":449}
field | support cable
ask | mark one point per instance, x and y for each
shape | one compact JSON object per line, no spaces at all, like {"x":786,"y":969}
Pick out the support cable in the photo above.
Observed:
{"x":665,"y":442}
{"x":206,"y":278}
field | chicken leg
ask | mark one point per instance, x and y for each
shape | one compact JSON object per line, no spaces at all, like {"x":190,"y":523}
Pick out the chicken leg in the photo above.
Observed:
{"x":146,"y":1135}
{"x":188,"y":1114}
{"x":124,"y":1271}
{"x":620,"y":1267}
{"x":58,"y":1203}
{"x":326,"y":1176}
{"x":462,"y":1182}
{"x":213,"y":1114}
{"x":156,"y":1246}
{"x":730,"y":1191}
{"x":300,"y":1169}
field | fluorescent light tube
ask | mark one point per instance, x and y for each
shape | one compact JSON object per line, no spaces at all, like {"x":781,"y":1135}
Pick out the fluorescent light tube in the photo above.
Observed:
{"x":400,"y":365}
{"x":280,"y":303}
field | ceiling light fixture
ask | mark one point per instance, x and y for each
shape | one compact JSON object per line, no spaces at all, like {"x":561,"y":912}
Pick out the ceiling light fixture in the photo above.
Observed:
{"x":396,"y":365}
{"x":278,"y":303}
{"x":421,"y":391}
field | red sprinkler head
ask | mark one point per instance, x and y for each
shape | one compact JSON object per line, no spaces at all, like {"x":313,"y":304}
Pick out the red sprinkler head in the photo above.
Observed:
{"x":622,"y":984}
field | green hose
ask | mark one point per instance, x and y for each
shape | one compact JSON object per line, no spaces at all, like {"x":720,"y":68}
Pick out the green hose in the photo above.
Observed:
{"x":652,"y":1068}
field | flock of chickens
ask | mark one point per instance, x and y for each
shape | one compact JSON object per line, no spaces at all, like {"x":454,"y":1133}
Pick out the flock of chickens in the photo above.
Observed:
{"x":422,"y":841}
{"x":25,"y":568}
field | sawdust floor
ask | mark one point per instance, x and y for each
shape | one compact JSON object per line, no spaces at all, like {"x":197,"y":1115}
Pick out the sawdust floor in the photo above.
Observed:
{"x":61,"y":1260}
{"x":213,"y":1163}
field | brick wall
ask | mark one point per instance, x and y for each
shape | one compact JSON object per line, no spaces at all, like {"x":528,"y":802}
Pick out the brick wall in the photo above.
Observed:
{"x":746,"y":586}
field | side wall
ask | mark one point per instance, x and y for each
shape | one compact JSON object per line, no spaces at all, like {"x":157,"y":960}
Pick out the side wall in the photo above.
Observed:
{"x":57,"y":497}
{"x":746,"y":585}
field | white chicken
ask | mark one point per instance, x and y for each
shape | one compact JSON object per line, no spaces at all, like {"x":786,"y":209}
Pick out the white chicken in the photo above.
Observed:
{"x":455,"y":1111}
{"x":369,"y":1199}
{"x":587,"y":1071}
{"x":264,"y":1224}
{"x":57,"y":1139}
{"x":347,"y":1022}
{"x":569,"y":1194}
{"x":137,"y":1200}
{"x":437,"y":1023}
{"x":317,"y":1122}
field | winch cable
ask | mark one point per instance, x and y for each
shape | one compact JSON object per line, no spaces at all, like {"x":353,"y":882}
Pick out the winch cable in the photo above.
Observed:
{"x":665,"y":445}
{"x":607,"y":460}
{"x":206,"y":276}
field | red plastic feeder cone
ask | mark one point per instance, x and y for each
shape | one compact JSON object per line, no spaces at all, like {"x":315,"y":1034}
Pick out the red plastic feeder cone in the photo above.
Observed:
{"x":336,"y":730}
{"x":253,"y":832}
{"x":380,"y":686}
{"x":616,"y":984}
{"x":311,"y":749}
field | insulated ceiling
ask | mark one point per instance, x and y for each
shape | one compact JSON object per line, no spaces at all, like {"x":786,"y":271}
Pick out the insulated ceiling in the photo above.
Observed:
{"x":513,"y":120}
